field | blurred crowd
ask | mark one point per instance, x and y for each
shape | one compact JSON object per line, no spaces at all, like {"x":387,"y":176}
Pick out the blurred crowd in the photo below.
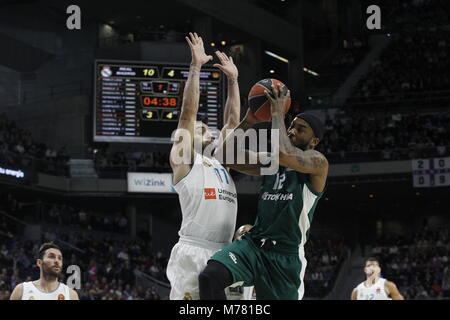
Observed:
{"x":108,"y":163}
{"x":412,"y":63}
{"x":86,"y":219}
{"x":17,"y":147}
{"x":108,"y":264}
{"x":324,"y":259}
{"x":385,"y":135}
{"x":352,"y":52}
{"x":412,"y":13}
{"x":417,"y":263}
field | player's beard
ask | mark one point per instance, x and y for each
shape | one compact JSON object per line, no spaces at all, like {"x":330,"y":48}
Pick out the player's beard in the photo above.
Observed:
{"x":50,"y":273}
{"x":304,"y":146}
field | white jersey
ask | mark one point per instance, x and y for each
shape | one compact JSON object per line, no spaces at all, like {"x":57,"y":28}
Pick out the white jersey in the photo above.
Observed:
{"x":376,"y":291}
{"x":208,"y":203}
{"x":30,"y":292}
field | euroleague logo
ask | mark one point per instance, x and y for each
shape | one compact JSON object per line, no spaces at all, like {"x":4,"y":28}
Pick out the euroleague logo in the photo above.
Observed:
{"x":61,"y":297}
{"x":210,"y":193}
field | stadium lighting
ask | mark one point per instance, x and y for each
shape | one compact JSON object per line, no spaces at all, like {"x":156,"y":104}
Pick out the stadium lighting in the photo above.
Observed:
{"x":310,"y":72}
{"x":274,"y":55}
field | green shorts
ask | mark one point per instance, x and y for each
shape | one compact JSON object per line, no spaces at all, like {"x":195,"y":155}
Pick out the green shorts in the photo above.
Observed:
{"x":274,"y":271}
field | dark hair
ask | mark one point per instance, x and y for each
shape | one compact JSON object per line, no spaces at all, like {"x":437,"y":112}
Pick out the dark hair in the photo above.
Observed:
{"x":374,"y":259}
{"x":44,"y":247}
{"x":314,"y":122}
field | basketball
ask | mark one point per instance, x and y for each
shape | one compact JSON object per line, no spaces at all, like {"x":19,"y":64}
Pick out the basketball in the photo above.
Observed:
{"x":258,"y":102}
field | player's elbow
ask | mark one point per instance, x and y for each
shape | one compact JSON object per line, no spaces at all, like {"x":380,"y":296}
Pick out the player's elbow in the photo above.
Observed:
{"x":233,"y":121}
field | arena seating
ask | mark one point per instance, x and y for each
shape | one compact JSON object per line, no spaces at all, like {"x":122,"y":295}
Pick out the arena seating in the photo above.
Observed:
{"x":107,"y":264}
{"x":418,"y":263}
{"x":355,"y":135}
{"x":324,"y":259}
{"x":17,"y":147}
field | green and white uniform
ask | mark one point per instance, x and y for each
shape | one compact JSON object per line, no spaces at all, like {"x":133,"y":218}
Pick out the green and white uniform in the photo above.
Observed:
{"x":271,"y":255}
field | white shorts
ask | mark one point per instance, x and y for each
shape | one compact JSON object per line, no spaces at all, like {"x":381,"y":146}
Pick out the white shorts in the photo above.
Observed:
{"x":185,"y":264}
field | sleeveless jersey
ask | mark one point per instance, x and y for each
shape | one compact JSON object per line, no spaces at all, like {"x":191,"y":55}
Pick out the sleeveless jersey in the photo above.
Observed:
{"x":376,"y":291}
{"x":208,"y":203}
{"x":285,"y":209}
{"x":30,"y":292}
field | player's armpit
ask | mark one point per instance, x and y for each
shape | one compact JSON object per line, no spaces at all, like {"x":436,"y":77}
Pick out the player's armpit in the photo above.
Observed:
{"x":393,"y":291}
{"x":17,"y":292}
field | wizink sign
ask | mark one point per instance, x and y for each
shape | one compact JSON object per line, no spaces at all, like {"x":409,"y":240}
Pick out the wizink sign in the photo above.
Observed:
{"x":150,"y":182}
{"x":12,"y":173}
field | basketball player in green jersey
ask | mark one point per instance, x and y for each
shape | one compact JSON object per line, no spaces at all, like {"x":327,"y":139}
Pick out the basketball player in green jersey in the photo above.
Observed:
{"x":271,"y":255}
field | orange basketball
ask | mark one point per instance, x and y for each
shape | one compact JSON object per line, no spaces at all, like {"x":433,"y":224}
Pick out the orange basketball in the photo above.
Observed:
{"x":258,"y":102}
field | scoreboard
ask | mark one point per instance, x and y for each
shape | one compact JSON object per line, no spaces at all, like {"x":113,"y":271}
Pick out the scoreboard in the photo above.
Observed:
{"x":141,"y":101}
{"x":433,"y":172}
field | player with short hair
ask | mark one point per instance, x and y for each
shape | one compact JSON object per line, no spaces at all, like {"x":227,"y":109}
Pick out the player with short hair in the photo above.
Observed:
{"x":206,"y":190}
{"x":271,"y":255}
{"x":375,"y":287}
{"x":50,"y":263}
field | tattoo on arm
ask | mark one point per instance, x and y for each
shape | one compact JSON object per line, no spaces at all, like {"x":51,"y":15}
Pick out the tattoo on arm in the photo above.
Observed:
{"x":232,"y":82}
{"x":285,"y":144}
{"x":311,"y":159}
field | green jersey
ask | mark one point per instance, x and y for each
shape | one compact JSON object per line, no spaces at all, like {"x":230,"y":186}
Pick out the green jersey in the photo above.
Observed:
{"x":286,"y":208}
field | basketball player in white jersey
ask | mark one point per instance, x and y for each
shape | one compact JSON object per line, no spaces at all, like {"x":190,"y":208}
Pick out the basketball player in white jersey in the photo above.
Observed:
{"x":50,"y":262}
{"x":375,"y":287}
{"x":207,"y":193}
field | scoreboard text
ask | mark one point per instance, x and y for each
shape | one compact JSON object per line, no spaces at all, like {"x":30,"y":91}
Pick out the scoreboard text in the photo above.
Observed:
{"x":141,"y":102}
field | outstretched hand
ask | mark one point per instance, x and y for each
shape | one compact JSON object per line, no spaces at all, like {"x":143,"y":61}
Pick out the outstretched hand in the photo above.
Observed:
{"x":227,"y":65}
{"x":199,"y":57}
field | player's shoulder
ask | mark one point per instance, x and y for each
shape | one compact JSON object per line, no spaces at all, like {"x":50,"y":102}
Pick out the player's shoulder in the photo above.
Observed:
{"x":388,"y":283}
{"x":73,"y":294}
{"x":359,"y":286}
{"x":18,"y":291}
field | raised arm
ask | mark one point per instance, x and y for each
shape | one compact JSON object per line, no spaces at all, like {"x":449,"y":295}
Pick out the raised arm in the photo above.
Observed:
{"x":182,"y":152}
{"x":232,"y":110}
{"x":309,"y":161}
